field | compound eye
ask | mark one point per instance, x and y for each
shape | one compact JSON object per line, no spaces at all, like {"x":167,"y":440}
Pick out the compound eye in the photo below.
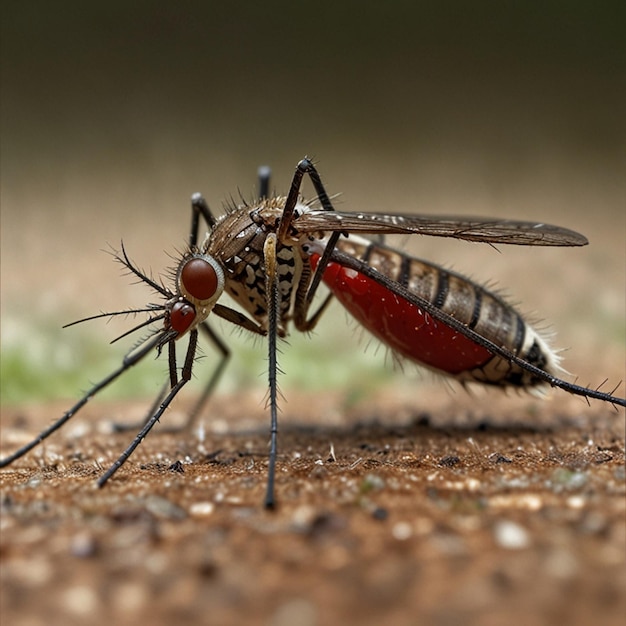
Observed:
{"x":182,"y":316}
{"x":199,"y":279}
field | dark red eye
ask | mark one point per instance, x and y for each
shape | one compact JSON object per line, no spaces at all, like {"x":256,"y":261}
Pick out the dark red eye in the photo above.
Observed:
{"x":182,"y":317}
{"x":198,"y":279}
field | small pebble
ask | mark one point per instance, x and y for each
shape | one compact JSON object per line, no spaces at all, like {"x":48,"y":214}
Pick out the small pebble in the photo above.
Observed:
{"x":576,"y":502}
{"x":177,"y":466}
{"x":379,"y":513}
{"x":34,"y":482}
{"x":372,"y":482}
{"x":563,"y":478}
{"x":511,"y":536}
{"x":80,"y":600}
{"x":303,"y":517}
{"x":449,"y":461}
{"x":164,"y":509}
{"x":202,"y":509}
{"x":83,"y":545}
{"x":402,"y":531}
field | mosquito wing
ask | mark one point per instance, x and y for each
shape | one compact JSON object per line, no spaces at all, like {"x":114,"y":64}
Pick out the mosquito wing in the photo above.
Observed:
{"x":486,"y":230}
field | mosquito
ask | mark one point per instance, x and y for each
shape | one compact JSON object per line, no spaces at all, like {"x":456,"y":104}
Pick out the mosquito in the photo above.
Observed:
{"x":270,"y":256}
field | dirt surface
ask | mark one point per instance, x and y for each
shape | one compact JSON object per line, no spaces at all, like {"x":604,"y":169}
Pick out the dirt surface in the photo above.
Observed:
{"x":464,"y":512}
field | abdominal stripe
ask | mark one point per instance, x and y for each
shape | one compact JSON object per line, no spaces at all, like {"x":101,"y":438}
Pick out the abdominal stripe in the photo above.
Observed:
{"x":442,"y":289}
{"x":478,"y":304}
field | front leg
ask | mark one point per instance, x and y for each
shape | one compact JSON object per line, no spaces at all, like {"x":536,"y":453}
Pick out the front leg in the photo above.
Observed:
{"x":271,"y":272}
{"x":307,"y":290}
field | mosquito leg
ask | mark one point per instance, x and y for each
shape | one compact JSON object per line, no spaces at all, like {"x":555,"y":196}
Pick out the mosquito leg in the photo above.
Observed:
{"x":269,"y":253}
{"x":321,"y":266}
{"x":292,"y":198}
{"x":237,"y":318}
{"x":122,"y":428}
{"x":192,"y":417}
{"x":129,"y":361}
{"x":264,"y":174}
{"x":304,"y":297}
{"x":199,"y":207}
{"x":215,"y":377}
{"x":173,"y":380}
{"x":184,"y":379}
{"x":171,"y":363}
{"x":305,"y":166}
{"x":322,"y":195}
{"x":315,"y":283}
{"x":232,"y":316}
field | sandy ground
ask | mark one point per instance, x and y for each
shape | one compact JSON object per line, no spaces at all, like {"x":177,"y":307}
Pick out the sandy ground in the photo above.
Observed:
{"x":458,"y":513}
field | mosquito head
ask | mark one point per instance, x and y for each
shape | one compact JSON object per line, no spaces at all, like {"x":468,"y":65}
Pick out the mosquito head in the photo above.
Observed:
{"x":200,"y":283}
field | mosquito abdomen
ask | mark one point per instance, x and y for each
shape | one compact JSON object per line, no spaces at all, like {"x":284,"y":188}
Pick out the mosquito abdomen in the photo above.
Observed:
{"x":413,"y":333}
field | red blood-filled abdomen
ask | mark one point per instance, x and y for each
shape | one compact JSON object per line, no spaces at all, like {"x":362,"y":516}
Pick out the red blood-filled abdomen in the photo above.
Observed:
{"x":402,"y":326}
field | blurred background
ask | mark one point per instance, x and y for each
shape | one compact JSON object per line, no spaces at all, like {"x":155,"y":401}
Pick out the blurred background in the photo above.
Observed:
{"x":114,"y":113}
